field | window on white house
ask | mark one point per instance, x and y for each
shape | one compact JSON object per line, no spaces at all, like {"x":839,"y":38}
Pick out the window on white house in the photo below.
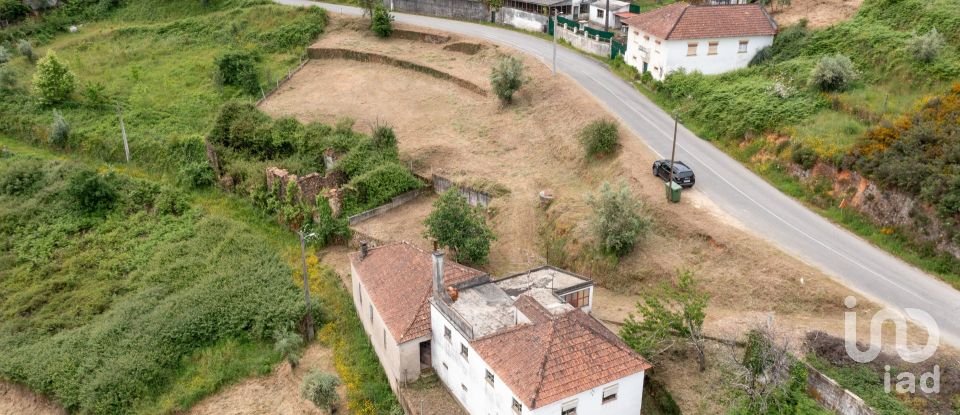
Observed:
{"x":446,"y":333}
{"x":578,"y":298}
{"x":713,"y":48}
{"x":517,"y":407}
{"x":599,"y":13}
{"x":464,"y":387}
{"x":445,"y":366}
{"x":371,"y":313}
{"x":692,"y":49}
{"x":569,"y":408}
{"x":384,"y":338}
{"x":646,"y":38}
{"x":657,"y":49}
{"x":488,"y":377}
{"x":464,"y":351}
{"x":360,"y":293}
{"x":743,"y":46}
{"x":609,"y":394}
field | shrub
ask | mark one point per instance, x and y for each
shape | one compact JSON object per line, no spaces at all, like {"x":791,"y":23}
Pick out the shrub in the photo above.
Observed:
{"x":25,"y":49}
{"x":8,"y":79}
{"x":22,"y":177}
{"x":59,"y":131}
{"x":804,"y":156}
{"x":296,"y":33}
{"x":4,"y":55}
{"x":926,"y":48}
{"x":378,"y":186}
{"x":762,"y":56}
{"x":53,"y":82}
{"x":290,"y":346}
{"x":380,"y":22}
{"x":459,"y":226}
{"x":328,"y":228}
{"x":12,"y":11}
{"x":619,"y":220}
{"x":600,"y":137}
{"x":321,"y":389}
{"x":94,"y":93}
{"x":92,"y":192}
{"x":195,"y":175}
{"x":239,"y":69}
{"x":833,"y":73}
{"x":384,"y":139}
{"x":506,"y":78}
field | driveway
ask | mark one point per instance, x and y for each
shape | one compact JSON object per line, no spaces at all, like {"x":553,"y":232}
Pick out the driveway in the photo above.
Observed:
{"x":759,"y":206}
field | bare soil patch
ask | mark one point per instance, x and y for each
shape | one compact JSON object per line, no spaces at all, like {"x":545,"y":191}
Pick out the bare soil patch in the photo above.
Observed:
{"x":819,"y":13}
{"x":531,"y":146}
{"x":278,"y":393}
{"x":18,"y":400}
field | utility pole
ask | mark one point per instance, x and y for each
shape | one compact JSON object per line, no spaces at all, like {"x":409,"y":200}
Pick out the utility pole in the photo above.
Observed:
{"x":123,"y":132}
{"x":673,"y":151}
{"x":306,"y":283}
{"x":606,"y":18}
{"x":555,"y":28}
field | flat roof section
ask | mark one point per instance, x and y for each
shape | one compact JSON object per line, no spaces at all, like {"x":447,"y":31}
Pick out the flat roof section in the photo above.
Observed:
{"x":548,"y":277}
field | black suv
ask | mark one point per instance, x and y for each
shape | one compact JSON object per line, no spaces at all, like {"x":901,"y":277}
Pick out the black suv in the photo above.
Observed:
{"x":682,"y":173}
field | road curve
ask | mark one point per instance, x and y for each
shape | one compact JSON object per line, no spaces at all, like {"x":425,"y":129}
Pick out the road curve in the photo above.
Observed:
{"x":732,"y":187}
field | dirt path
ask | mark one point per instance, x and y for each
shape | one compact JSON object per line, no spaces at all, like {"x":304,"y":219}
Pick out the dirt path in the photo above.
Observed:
{"x":277,"y":393}
{"x":18,"y":400}
{"x":819,"y":13}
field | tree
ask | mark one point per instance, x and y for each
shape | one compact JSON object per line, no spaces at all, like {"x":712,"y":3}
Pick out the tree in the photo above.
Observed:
{"x":619,"y":220}
{"x":599,"y":137}
{"x":53,"y":82}
{"x":673,"y":313}
{"x":321,"y":389}
{"x":290,"y":346}
{"x":59,"y":131}
{"x":927,"y":47}
{"x":380,"y":21}
{"x":506,"y":78}
{"x":833,"y":73}
{"x":764,"y":372}
{"x":239,"y":68}
{"x":459,"y":226}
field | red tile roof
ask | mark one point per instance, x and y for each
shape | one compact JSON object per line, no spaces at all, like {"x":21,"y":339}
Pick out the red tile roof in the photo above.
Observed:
{"x":683,"y":21}
{"x":557,"y":357}
{"x":399,"y":279}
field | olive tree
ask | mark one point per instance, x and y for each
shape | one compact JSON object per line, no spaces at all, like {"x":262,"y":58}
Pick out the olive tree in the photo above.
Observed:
{"x":506,"y":78}
{"x":619,"y":219}
{"x":321,"y":389}
{"x":926,"y":47}
{"x":833,"y":73}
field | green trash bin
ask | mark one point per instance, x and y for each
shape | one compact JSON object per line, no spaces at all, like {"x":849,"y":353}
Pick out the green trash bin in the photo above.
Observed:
{"x":673,"y":191}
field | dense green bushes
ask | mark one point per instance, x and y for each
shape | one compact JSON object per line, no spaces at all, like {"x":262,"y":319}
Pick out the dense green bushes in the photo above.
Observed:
{"x":12,"y":11}
{"x":239,"y":69}
{"x":463,"y":228}
{"x":380,"y":22}
{"x":600,"y":137}
{"x":98,"y":311}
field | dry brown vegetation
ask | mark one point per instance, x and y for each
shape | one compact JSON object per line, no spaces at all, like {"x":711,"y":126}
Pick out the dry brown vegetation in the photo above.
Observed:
{"x":531,"y":146}
{"x":819,"y":13}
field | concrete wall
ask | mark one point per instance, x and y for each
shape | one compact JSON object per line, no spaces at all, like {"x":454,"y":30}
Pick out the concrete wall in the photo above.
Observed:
{"x":583,"y":42}
{"x":523,"y":20}
{"x":401,"y":362}
{"x":671,"y":55}
{"x":396,"y":202}
{"x":833,"y":396}
{"x":457,"y":9}
{"x":465,"y":378}
{"x":614,"y":21}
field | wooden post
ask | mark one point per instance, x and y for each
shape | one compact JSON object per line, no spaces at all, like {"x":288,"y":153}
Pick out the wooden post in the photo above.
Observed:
{"x":123,"y":133}
{"x":306,"y":285}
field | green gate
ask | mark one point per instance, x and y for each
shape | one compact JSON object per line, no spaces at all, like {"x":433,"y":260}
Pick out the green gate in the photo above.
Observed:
{"x":617,"y":49}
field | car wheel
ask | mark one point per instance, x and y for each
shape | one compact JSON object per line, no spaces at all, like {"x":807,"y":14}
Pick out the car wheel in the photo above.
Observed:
{"x":655,"y":171}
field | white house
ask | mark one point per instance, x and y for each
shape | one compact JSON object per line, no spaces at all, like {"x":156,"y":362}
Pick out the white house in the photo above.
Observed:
{"x":709,"y":39}
{"x":524,"y":344}
{"x":598,"y":12}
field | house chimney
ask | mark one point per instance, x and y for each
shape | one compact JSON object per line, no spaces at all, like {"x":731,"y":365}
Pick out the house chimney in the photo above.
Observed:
{"x":363,"y":250}
{"x":437,"y":273}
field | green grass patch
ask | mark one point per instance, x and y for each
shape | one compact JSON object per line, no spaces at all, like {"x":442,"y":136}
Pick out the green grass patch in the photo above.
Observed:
{"x":866,"y":383}
{"x":829,"y":133}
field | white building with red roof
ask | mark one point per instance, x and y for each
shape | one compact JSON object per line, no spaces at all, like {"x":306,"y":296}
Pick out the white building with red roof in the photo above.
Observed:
{"x":708,"y":39}
{"x":524,"y":344}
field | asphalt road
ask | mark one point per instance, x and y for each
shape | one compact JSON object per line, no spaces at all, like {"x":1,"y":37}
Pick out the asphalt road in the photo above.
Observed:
{"x":732,"y":187}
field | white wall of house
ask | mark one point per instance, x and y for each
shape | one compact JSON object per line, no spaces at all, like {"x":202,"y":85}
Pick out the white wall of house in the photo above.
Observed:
{"x":457,"y":372}
{"x":466,"y":380}
{"x":523,"y":20}
{"x":628,"y":401}
{"x":401,"y":362}
{"x":671,"y":55}
{"x":598,"y":11}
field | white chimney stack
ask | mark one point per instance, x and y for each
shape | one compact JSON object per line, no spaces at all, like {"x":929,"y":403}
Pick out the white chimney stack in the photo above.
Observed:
{"x":437,"y":273}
